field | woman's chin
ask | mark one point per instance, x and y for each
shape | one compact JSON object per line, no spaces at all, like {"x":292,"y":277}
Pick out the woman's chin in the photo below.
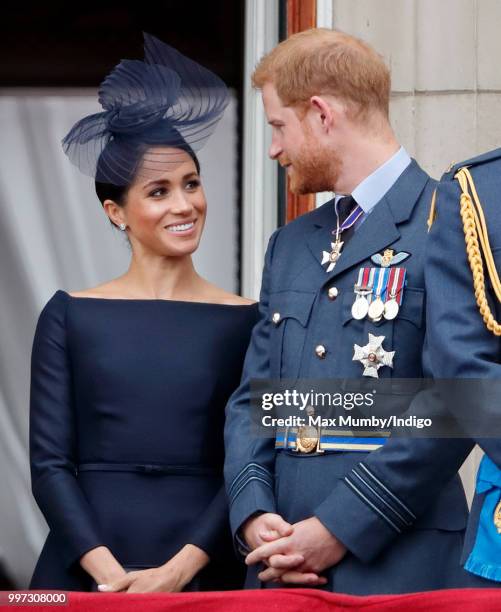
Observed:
{"x":179,"y":248}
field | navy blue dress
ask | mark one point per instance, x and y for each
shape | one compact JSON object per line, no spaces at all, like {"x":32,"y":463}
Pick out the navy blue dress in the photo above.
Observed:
{"x":126,"y":432}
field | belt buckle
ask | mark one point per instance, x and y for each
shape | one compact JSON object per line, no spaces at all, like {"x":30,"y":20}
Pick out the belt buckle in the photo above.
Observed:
{"x":307,"y":439}
{"x":308,"y":436}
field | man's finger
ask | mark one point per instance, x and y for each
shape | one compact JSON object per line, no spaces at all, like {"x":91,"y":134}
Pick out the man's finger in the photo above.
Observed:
{"x":272,"y":574}
{"x":267,"y":550}
{"x":268,"y":535}
{"x":309,"y":578}
{"x":275,"y":522}
{"x":285,"y":561}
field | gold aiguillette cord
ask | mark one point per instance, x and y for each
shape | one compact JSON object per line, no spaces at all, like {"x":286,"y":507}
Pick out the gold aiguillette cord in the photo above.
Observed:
{"x":475,"y":230}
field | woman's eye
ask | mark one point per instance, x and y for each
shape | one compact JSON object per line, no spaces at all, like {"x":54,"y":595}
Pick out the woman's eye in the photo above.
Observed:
{"x":158,"y":193}
{"x":193,"y":185}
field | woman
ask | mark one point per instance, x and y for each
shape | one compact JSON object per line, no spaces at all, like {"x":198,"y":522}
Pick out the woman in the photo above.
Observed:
{"x":130,"y":378}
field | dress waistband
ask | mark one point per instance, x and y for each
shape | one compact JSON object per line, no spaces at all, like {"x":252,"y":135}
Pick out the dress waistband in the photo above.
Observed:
{"x":142,"y":468}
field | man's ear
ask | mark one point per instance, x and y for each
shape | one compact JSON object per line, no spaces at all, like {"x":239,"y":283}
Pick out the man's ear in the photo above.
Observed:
{"x":328,"y":112}
{"x":323,"y":114}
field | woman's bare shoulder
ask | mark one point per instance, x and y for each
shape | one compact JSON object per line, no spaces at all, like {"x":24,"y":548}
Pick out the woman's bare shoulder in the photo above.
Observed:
{"x":110,"y":289}
{"x":220,"y":296}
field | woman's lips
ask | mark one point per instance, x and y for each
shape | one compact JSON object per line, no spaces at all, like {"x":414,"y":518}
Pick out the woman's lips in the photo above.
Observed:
{"x":181,"y":229}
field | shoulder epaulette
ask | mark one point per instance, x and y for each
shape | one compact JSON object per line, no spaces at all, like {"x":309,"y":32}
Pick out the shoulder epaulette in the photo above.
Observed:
{"x":488,"y":157}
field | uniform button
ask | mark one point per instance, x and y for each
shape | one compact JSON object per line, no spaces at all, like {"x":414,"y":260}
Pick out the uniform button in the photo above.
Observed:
{"x":276,"y":318}
{"x":320,"y":351}
{"x":332,"y":293}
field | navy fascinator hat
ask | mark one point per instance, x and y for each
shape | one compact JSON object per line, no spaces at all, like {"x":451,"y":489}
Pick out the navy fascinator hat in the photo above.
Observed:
{"x":150,"y":107}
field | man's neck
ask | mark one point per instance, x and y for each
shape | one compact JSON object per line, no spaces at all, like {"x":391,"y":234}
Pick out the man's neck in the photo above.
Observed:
{"x":361,"y":158}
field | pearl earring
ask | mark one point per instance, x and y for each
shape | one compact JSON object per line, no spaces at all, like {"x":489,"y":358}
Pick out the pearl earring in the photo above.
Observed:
{"x":122,"y":226}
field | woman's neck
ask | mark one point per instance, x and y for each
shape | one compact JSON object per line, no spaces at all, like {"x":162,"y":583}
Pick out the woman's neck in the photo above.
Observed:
{"x":162,"y":278}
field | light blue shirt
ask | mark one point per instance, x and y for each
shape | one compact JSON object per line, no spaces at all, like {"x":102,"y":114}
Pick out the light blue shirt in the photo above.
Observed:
{"x":372,"y":189}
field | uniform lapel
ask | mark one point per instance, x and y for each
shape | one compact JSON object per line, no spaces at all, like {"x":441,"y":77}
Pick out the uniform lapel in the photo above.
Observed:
{"x":320,"y":237}
{"x":376,"y":232}
{"x":379,"y":229}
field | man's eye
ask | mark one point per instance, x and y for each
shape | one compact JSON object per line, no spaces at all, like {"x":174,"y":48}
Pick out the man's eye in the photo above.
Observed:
{"x":193,"y":184}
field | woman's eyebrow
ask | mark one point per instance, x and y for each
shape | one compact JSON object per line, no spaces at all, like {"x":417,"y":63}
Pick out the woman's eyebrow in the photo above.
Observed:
{"x":165,"y":181}
{"x":156,"y":182}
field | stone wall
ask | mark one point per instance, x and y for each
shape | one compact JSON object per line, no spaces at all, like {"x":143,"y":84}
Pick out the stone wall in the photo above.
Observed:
{"x":446,"y":73}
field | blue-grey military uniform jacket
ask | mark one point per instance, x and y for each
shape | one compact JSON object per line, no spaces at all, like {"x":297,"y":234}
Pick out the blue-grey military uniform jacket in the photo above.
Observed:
{"x":400,"y":510}
{"x":460,"y":346}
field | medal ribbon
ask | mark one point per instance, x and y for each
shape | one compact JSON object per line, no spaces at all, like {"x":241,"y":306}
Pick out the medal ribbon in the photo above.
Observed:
{"x":392,"y":285}
{"x":380,"y":282}
{"x":363,"y":281}
{"x":402,"y":274}
{"x":370,"y":283}
{"x":350,"y":220}
{"x":396,"y":283}
{"x":366,"y":275}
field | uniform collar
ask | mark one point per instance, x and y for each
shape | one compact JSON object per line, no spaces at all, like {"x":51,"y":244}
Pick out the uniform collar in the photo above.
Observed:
{"x":373,"y":188}
{"x":380,"y":228}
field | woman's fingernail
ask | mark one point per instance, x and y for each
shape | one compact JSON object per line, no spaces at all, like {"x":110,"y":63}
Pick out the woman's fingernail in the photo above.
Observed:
{"x":103,"y":587}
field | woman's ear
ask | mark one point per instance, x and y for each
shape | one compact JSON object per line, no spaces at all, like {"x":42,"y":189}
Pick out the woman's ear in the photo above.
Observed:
{"x":115,"y":212}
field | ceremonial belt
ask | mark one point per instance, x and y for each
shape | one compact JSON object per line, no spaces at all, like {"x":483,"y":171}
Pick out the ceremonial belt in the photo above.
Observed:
{"x":329,"y":440}
{"x":142,"y":468}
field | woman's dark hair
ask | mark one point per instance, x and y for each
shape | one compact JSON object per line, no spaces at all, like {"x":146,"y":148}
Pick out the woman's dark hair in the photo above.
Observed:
{"x":118,"y":193}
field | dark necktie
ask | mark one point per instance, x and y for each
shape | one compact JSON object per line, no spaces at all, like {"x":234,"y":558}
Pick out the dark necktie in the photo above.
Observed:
{"x":344,"y":207}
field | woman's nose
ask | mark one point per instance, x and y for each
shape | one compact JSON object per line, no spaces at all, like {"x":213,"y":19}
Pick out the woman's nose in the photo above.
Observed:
{"x":182,"y":205}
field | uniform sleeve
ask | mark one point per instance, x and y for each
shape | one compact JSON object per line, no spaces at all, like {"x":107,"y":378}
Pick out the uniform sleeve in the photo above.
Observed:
{"x":459,"y":345}
{"x":392,"y":488}
{"x":250,"y":460}
{"x":386,"y":493}
{"x":53,"y":453}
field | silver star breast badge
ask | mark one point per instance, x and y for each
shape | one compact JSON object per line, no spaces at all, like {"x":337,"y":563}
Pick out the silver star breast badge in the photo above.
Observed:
{"x":373,"y":356}
{"x":332,"y":257}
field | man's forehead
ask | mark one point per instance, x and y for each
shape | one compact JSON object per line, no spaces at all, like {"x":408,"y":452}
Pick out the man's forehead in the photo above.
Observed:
{"x":270,"y":96}
{"x":274,"y":108}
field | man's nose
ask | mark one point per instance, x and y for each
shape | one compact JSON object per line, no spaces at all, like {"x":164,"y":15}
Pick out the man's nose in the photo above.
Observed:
{"x":274,"y":150}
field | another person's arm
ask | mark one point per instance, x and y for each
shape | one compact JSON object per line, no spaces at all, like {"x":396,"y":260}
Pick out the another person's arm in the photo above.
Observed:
{"x":249,"y":460}
{"x":459,"y":345}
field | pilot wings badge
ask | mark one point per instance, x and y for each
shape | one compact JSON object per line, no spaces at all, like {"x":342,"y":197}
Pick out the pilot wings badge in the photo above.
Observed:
{"x":389,"y":258}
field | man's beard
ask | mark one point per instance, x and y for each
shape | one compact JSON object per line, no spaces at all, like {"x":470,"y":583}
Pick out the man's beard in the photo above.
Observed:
{"x":314,"y":170}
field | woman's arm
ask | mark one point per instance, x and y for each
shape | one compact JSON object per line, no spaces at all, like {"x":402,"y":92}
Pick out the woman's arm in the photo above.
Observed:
{"x":102,"y":565}
{"x":53,"y":452}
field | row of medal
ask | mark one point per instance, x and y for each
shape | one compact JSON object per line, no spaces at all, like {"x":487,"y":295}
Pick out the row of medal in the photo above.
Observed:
{"x":379,"y":293}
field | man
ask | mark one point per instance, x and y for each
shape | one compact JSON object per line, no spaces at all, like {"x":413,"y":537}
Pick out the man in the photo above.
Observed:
{"x":389,"y":518}
{"x":463,"y":336}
